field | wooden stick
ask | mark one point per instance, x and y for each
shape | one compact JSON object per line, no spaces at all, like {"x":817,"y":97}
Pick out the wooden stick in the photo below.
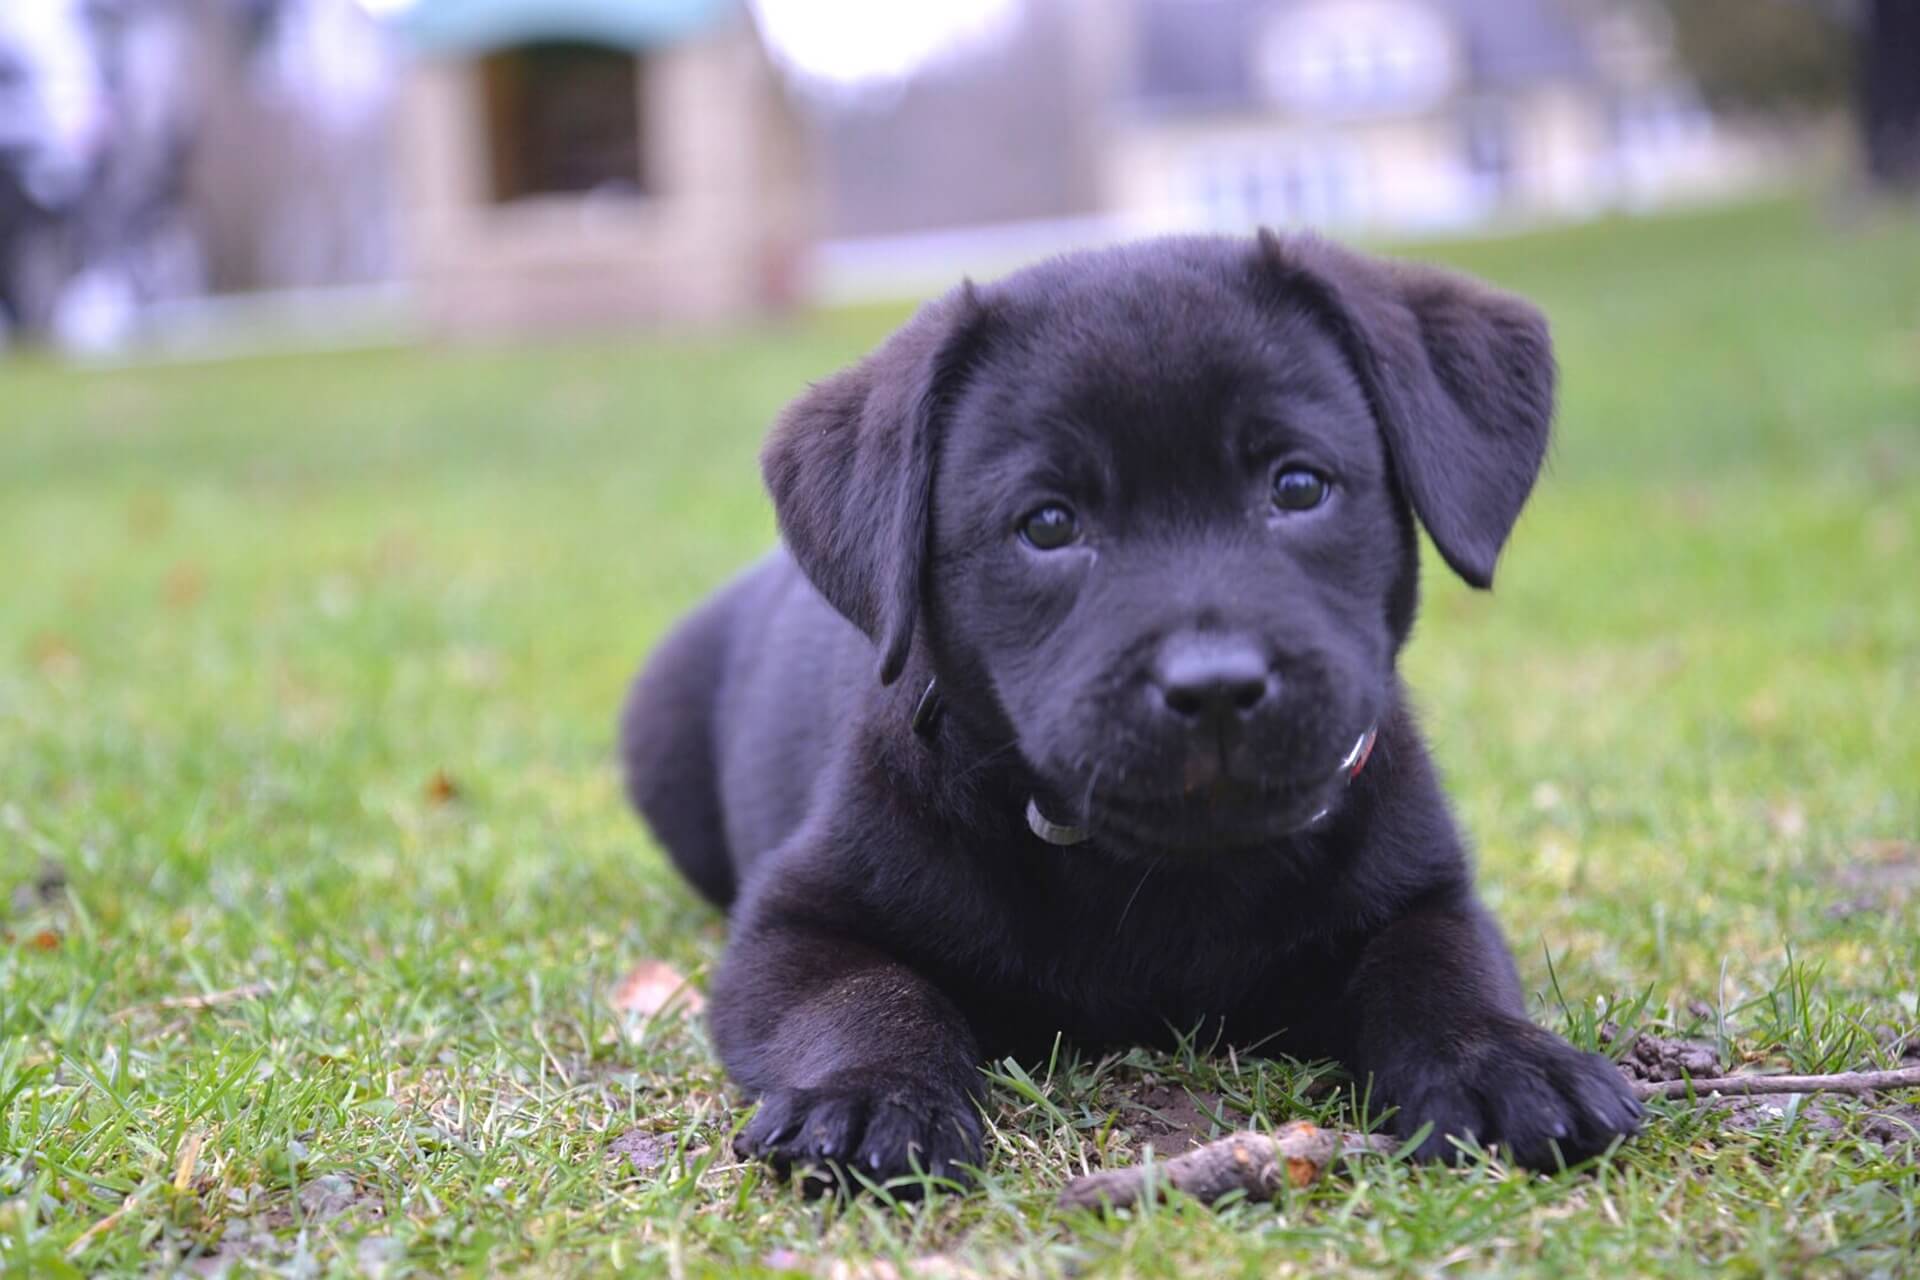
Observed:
{"x":1259,"y":1164}
{"x":1745,"y":1086}
{"x":85,"y":1238}
{"x":206,"y":1000}
{"x":1297,"y":1154}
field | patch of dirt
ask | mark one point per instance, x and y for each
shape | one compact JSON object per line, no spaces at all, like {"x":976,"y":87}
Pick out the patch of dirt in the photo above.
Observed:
{"x":1882,"y":875}
{"x":326,"y":1198}
{"x":1652,"y":1058}
{"x":1895,"y":1126}
{"x":644,"y":1152}
{"x":331,"y":1196}
{"x":47,"y":888}
{"x":246,"y":1242}
{"x":1759,"y":1110}
{"x":1172,"y":1119}
{"x":1902,"y":1042}
{"x":1826,"y":1116}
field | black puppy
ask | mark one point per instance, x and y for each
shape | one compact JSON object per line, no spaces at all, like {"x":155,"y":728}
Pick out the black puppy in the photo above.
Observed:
{"x":1071,"y":705}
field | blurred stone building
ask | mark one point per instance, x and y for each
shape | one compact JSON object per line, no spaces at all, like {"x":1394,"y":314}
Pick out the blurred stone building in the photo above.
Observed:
{"x":1405,"y":114}
{"x":573,"y":163}
{"x":1401,"y":116}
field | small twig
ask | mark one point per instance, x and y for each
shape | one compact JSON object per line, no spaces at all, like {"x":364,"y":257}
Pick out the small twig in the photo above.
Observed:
{"x":1259,"y":1164}
{"x":1741,"y":1086}
{"x":207,"y":1000}
{"x":87,"y":1237}
{"x":1297,"y":1154}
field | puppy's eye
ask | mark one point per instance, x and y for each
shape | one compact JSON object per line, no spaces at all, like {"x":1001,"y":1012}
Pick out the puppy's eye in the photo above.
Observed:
{"x":1298,"y":489}
{"x":1050,"y":527}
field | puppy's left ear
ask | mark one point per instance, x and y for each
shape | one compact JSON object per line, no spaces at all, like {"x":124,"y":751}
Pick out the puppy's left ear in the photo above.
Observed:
{"x":1460,"y":377}
{"x":850,"y":465}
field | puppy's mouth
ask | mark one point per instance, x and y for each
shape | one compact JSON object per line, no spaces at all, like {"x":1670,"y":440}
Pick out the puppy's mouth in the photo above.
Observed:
{"x":1214,"y":810}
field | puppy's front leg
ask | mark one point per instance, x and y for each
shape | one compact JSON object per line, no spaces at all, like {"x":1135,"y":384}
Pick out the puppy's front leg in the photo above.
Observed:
{"x":858,"y":1061}
{"x":1444,"y":1035}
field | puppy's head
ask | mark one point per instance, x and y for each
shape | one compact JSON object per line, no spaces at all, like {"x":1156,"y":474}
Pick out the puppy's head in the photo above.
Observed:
{"x":1151,"y":510}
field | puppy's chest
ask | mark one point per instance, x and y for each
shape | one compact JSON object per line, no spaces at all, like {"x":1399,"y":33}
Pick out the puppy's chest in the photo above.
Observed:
{"x":1120,"y":953}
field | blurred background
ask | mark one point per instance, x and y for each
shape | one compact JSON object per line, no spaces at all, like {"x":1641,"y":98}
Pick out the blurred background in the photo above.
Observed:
{"x":382,"y":379}
{"x":192,"y":175}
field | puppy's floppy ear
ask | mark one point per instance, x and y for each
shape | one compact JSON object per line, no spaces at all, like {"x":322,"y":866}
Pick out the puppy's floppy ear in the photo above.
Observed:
{"x":1459,"y":375}
{"x":850,"y":465}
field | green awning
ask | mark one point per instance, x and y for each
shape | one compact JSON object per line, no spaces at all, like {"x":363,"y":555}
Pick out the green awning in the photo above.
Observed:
{"x":441,"y":27}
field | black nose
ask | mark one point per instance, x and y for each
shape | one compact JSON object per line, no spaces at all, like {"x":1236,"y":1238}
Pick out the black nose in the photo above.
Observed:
{"x":1205,"y":676}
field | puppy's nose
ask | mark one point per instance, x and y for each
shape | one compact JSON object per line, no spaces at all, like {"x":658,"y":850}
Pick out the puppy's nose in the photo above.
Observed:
{"x":1204,"y":676}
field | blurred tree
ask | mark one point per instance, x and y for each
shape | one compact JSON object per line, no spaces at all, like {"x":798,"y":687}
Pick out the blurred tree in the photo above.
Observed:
{"x":1769,"y":55}
{"x":1003,"y":132}
{"x":1889,"y":92}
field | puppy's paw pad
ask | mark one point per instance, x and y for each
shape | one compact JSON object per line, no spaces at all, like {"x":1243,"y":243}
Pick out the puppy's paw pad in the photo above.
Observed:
{"x":876,"y":1131}
{"x":1542,"y":1102}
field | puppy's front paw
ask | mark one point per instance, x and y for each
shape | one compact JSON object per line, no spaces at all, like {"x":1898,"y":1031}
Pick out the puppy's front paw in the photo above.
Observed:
{"x":879,"y":1128}
{"x":1543,"y":1102}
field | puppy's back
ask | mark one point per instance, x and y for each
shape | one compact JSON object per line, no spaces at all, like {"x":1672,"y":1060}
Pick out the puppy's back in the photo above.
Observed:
{"x":732,"y":720}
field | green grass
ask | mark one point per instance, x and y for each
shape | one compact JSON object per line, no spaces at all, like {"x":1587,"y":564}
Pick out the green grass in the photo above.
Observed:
{"x":250,"y":612}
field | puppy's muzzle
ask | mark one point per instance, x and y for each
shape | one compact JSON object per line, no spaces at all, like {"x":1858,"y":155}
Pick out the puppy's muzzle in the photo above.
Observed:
{"x":1066,"y":835}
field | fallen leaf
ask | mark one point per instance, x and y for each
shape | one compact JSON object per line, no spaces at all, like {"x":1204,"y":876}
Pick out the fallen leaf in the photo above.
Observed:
{"x":1762,"y":711}
{"x":932,"y":1266}
{"x":185,"y":584}
{"x":54,"y":655}
{"x":1889,"y":852}
{"x":1172,"y":1118}
{"x":654,"y":987}
{"x":148,"y":516}
{"x":189,"y":1160}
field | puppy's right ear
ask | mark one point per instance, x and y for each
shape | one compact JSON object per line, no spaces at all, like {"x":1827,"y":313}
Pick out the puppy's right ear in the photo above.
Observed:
{"x":850,"y":465}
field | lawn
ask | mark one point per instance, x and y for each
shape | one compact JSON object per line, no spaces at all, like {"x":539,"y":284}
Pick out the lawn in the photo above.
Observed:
{"x":317,"y":883}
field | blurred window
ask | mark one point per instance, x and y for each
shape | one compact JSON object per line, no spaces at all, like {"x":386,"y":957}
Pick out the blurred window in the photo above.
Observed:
{"x":1288,"y":185}
{"x":1489,"y":140}
{"x":564,"y":119}
{"x":1357,"y":56}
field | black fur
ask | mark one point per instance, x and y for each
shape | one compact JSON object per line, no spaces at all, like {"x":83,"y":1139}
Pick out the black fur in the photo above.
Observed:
{"x":895,"y":921}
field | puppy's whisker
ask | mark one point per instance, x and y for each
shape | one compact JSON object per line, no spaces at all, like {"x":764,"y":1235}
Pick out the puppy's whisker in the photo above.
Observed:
{"x":1133,"y":898}
{"x":985,"y":760}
